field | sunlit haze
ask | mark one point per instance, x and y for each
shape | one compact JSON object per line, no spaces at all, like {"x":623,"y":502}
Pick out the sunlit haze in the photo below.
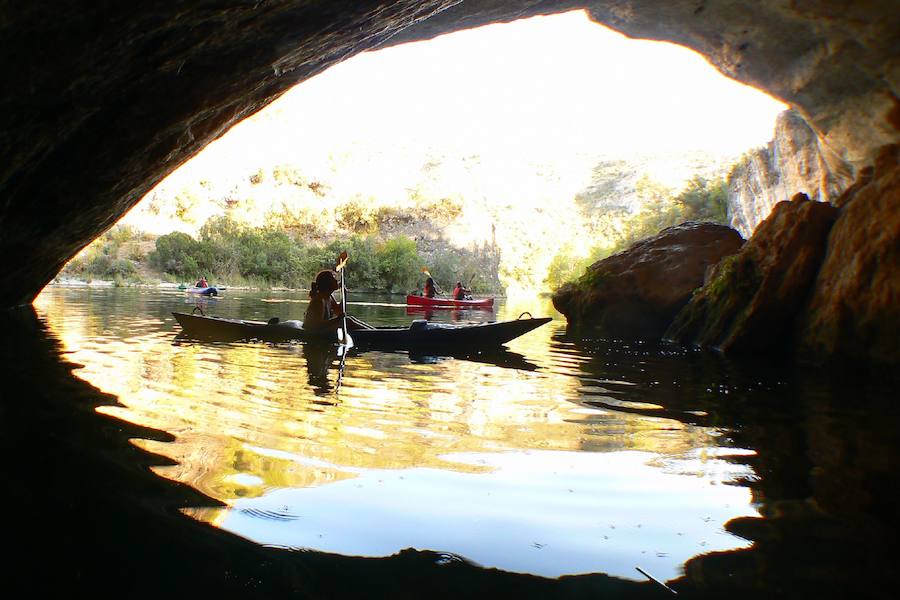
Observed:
{"x":536,"y":103}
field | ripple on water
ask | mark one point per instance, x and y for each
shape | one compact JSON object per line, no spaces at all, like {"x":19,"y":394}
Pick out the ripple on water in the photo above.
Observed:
{"x":500,"y":459}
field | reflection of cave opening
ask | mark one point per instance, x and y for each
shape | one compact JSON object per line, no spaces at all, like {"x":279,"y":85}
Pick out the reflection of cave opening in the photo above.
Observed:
{"x":512,"y":155}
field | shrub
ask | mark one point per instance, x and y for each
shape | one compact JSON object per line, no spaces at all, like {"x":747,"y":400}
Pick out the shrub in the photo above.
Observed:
{"x":399,"y":264}
{"x":175,"y":254}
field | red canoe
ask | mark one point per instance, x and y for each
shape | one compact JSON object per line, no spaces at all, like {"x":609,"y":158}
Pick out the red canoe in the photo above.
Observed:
{"x":486,"y":303}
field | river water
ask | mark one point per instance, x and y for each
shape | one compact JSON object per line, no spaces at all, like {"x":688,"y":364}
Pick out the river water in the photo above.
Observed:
{"x":558,"y":456}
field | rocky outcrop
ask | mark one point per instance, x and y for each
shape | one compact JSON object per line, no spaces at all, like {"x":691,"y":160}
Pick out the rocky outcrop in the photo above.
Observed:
{"x":793,"y":162}
{"x":854,"y":313}
{"x":752,"y":299}
{"x":636,"y":293}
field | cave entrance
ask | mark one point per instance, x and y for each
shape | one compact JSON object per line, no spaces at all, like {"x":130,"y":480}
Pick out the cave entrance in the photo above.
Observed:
{"x":509,"y":156}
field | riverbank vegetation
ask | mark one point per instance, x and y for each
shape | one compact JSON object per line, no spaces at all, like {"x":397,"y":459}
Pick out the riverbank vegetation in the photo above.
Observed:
{"x":389,"y":246}
{"x":229,"y":253}
{"x":277,"y":226}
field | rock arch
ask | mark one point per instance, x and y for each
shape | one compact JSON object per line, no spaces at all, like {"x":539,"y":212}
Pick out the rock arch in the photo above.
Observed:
{"x":104,"y":100}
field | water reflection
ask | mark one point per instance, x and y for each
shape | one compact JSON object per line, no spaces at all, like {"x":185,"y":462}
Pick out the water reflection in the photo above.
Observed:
{"x":526,"y":469}
{"x":319,"y":360}
{"x":86,"y":515}
{"x":268,"y":414}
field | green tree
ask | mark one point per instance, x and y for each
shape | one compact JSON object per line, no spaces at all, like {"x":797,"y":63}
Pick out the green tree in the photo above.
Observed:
{"x":175,"y":254}
{"x":363,"y":264}
{"x":704,"y":200}
{"x":399,"y":264}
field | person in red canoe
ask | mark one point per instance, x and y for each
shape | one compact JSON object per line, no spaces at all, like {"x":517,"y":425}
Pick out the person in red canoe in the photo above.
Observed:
{"x":324,"y":312}
{"x":431,"y":289}
{"x":461,"y":293}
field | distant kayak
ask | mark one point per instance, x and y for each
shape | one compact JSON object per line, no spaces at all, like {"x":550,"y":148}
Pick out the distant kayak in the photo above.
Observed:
{"x":202,"y":291}
{"x":484,"y":303}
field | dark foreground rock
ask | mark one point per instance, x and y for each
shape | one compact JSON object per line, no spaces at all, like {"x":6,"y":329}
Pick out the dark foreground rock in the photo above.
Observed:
{"x":752,"y":299}
{"x":635,"y":294}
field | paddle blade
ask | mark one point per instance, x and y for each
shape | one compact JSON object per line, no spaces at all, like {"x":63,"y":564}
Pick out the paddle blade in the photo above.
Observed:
{"x":341,"y":261}
{"x":425,"y":270}
{"x":344,"y":339}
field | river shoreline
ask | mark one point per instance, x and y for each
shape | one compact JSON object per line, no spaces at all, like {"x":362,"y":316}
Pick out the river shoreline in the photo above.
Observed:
{"x":166,"y":285}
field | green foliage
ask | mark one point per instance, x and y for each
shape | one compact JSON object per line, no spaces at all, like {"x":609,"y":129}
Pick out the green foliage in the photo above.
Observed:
{"x":701,"y":200}
{"x":704,"y":200}
{"x":446,"y":269}
{"x":175,"y":254}
{"x":185,"y":204}
{"x":565,"y":266}
{"x":399,"y":264}
{"x":101,"y":259}
{"x":227,"y":251}
{"x":364,"y":267}
{"x":122,"y":234}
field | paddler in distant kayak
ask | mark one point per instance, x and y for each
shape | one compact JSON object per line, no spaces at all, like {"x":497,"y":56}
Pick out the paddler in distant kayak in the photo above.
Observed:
{"x":461,"y":293}
{"x":324,"y":312}
{"x":431,"y":289}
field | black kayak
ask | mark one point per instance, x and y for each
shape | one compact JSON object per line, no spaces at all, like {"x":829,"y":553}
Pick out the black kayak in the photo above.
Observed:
{"x":420,"y":334}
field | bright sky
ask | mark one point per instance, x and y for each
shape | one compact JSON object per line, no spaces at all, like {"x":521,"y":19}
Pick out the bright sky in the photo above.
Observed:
{"x":546,"y":84}
{"x":543,"y":96}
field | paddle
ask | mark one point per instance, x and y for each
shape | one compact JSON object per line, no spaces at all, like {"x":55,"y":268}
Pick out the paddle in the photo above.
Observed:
{"x":345,"y":342}
{"x":343,"y":333}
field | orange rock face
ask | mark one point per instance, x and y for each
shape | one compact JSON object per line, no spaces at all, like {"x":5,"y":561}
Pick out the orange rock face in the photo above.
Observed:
{"x":854,"y":312}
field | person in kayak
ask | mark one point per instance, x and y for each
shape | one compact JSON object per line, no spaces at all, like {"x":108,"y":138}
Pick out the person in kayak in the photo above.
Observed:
{"x":202,"y":283}
{"x":461,"y":293}
{"x":324,"y":312}
{"x":431,"y":289}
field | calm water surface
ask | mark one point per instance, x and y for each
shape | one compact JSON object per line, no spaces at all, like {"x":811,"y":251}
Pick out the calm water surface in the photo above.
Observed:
{"x":554,"y":457}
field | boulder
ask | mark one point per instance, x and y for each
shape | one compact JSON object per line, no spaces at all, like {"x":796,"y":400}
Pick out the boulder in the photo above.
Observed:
{"x":636,"y":293}
{"x":752,"y":299}
{"x":854,"y":312}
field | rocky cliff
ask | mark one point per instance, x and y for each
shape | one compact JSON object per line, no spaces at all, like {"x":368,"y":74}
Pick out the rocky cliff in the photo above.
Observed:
{"x":817,"y":280}
{"x":793,"y":162}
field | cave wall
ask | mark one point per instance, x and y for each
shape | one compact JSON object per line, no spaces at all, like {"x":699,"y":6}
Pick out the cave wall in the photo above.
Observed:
{"x":104,"y":99}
